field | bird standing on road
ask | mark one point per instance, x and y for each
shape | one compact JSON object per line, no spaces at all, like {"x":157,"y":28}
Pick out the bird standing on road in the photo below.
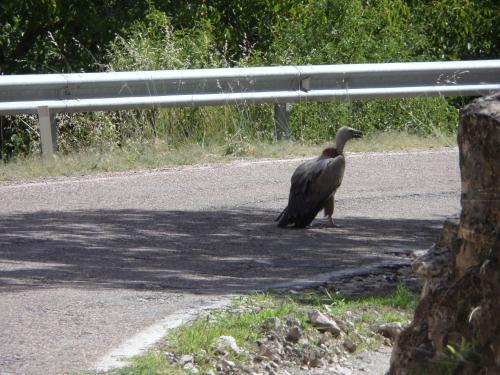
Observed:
{"x":315,"y":182}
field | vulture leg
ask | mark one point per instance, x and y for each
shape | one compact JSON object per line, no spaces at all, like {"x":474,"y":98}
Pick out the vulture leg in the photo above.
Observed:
{"x":328,"y":209}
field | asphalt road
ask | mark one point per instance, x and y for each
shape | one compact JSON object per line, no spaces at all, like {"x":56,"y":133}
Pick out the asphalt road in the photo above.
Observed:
{"x":85,"y":263}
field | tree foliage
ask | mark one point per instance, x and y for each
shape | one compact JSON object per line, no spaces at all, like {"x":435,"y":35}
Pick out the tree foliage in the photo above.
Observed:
{"x":56,"y":35}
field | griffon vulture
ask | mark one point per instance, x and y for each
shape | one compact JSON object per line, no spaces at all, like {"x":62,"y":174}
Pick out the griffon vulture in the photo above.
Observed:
{"x":315,"y":182}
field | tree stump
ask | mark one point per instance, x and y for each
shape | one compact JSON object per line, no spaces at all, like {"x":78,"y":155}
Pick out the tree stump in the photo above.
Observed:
{"x":456,"y":328}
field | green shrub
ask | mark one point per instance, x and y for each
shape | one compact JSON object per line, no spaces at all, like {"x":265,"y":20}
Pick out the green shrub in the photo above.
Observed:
{"x":293,"y":32}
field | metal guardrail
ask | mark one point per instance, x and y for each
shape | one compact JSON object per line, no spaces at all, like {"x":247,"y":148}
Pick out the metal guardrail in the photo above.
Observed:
{"x":47,"y":94}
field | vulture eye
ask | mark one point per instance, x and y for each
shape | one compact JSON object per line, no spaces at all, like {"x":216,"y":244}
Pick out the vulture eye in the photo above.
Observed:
{"x":356,"y":133}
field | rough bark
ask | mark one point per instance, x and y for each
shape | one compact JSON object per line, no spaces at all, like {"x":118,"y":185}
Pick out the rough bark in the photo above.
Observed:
{"x":456,"y":328}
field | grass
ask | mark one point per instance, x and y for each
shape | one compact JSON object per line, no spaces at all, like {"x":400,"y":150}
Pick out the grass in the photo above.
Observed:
{"x":243,"y":325}
{"x":244,"y":319}
{"x":157,"y":154}
{"x":396,"y":307}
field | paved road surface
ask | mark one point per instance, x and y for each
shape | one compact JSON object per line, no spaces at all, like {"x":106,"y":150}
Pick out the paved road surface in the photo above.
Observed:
{"x":87,"y":262}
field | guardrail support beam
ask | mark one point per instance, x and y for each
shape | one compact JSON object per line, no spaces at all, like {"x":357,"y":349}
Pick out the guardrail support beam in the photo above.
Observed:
{"x":48,"y":132}
{"x":281,"y":117}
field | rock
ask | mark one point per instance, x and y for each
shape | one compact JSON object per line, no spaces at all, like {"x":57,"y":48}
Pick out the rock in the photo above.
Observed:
{"x":185,"y":359}
{"x":390,"y":330}
{"x":247,"y":369}
{"x":271,"y":324}
{"x":221,"y":352}
{"x":344,"y":325}
{"x":349,"y":345}
{"x":323,"y":323}
{"x":313,"y":358}
{"x":294,"y":334}
{"x":316,"y":362}
{"x":292,"y":321}
{"x":171,"y":357}
{"x":274,"y":365}
{"x":190,"y":368}
{"x":270,"y":352}
{"x":325,"y":339}
{"x":227,"y":363}
{"x":261,"y":341}
{"x":227,"y":342}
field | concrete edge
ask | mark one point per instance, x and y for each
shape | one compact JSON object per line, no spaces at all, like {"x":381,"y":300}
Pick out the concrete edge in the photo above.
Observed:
{"x":141,"y":341}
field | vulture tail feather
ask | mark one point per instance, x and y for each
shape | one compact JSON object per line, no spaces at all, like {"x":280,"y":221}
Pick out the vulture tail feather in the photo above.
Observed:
{"x":283,"y":218}
{"x":281,"y":214}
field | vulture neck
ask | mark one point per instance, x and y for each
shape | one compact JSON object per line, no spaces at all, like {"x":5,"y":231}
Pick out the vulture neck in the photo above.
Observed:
{"x":329,"y":152}
{"x":340,"y":141}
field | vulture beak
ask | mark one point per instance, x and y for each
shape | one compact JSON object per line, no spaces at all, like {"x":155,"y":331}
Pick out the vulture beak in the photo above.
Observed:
{"x":356,"y":133}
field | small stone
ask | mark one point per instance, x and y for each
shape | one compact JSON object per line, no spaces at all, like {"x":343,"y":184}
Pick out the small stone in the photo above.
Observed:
{"x":325,"y":339}
{"x":185,"y":359}
{"x":221,"y":352}
{"x":170,"y":357}
{"x":294,"y":334}
{"x":261,"y":341}
{"x":360,"y":337}
{"x":189,"y":367}
{"x":390,"y":330}
{"x":246,"y":369}
{"x":316,"y":362}
{"x":274,"y":337}
{"x":269,"y":353}
{"x":271,"y":324}
{"x":323,"y":323}
{"x":228,"y":342}
{"x":292,"y":321}
{"x":350,"y":345}
{"x":226,"y":363}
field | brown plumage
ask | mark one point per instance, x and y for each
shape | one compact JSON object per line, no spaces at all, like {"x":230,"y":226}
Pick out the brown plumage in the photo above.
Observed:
{"x":315,"y":182}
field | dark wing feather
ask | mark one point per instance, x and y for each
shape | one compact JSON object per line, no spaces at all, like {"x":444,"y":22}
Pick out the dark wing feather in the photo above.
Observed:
{"x":312,"y":183}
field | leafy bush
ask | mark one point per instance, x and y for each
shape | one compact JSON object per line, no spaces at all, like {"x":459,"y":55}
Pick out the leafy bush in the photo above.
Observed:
{"x":170,"y":34}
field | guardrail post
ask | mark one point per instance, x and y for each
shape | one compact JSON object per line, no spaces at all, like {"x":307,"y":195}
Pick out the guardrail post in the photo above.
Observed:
{"x":48,"y":132}
{"x":281,"y":116}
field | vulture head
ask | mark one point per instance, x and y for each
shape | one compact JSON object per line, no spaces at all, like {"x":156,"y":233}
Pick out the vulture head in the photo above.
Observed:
{"x":343,"y":135}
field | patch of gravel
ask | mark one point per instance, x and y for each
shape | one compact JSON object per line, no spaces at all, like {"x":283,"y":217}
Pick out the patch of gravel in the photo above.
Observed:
{"x":327,"y":344}
{"x":288,"y":348}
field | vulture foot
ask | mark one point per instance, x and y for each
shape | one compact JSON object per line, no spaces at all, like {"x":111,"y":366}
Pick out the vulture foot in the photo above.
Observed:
{"x":331,"y":224}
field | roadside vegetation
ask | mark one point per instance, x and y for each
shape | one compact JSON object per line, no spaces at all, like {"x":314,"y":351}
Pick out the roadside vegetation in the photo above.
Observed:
{"x":251,"y":320}
{"x":156,"y":154}
{"x":78,"y":36}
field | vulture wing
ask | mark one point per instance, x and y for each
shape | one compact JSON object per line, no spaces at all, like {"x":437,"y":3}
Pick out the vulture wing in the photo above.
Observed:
{"x":312,"y":183}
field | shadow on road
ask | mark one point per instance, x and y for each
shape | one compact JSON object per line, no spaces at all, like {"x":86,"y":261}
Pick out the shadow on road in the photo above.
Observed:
{"x":202,"y":252}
